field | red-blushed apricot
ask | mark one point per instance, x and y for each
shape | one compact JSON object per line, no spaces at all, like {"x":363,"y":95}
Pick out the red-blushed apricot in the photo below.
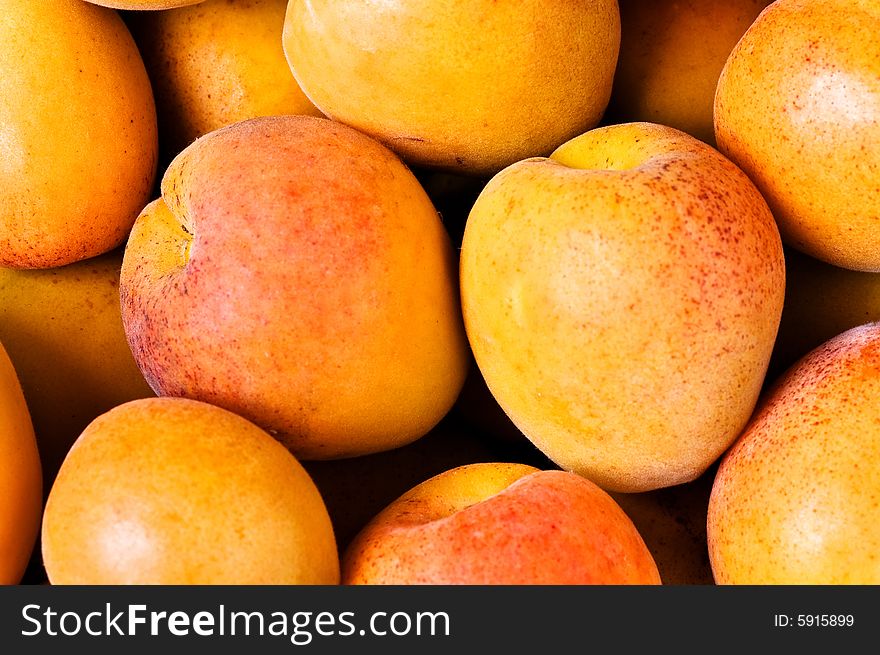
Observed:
{"x":295,"y":272}
{"x":496,"y":523}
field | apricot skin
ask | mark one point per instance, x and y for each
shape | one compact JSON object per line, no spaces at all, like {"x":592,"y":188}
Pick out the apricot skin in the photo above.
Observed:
{"x":20,"y":477}
{"x":795,"y":499}
{"x":798,"y":109}
{"x":78,"y":137}
{"x":174,"y":491}
{"x":496,"y":523}
{"x":295,"y":272}
{"x":622,"y":299}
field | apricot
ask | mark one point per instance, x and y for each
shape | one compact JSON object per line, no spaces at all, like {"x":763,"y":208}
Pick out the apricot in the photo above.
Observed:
{"x":78,"y":140}
{"x":795,"y":499}
{"x":20,"y":477}
{"x":495,"y":523}
{"x":174,"y":491}
{"x":295,"y":272}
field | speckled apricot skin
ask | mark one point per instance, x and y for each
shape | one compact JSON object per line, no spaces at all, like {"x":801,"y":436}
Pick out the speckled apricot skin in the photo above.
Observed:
{"x":216,"y":63}
{"x":174,"y":491}
{"x":621,"y":299}
{"x":798,"y":109}
{"x":796,"y":499}
{"x":21,"y":498}
{"x":295,"y":272}
{"x":496,"y":523}
{"x":78,"y":141}
{"x":671,"y":54}
{"x":461,"y":85}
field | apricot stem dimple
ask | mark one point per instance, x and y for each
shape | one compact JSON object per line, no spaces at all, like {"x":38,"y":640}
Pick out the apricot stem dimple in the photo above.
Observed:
{"x":621,"y":149}
{"x":461,"y":490}
{"x":169,"y":236}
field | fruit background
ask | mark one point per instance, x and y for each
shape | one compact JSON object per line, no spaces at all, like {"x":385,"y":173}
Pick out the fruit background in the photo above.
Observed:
{"x":439,"y":291}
